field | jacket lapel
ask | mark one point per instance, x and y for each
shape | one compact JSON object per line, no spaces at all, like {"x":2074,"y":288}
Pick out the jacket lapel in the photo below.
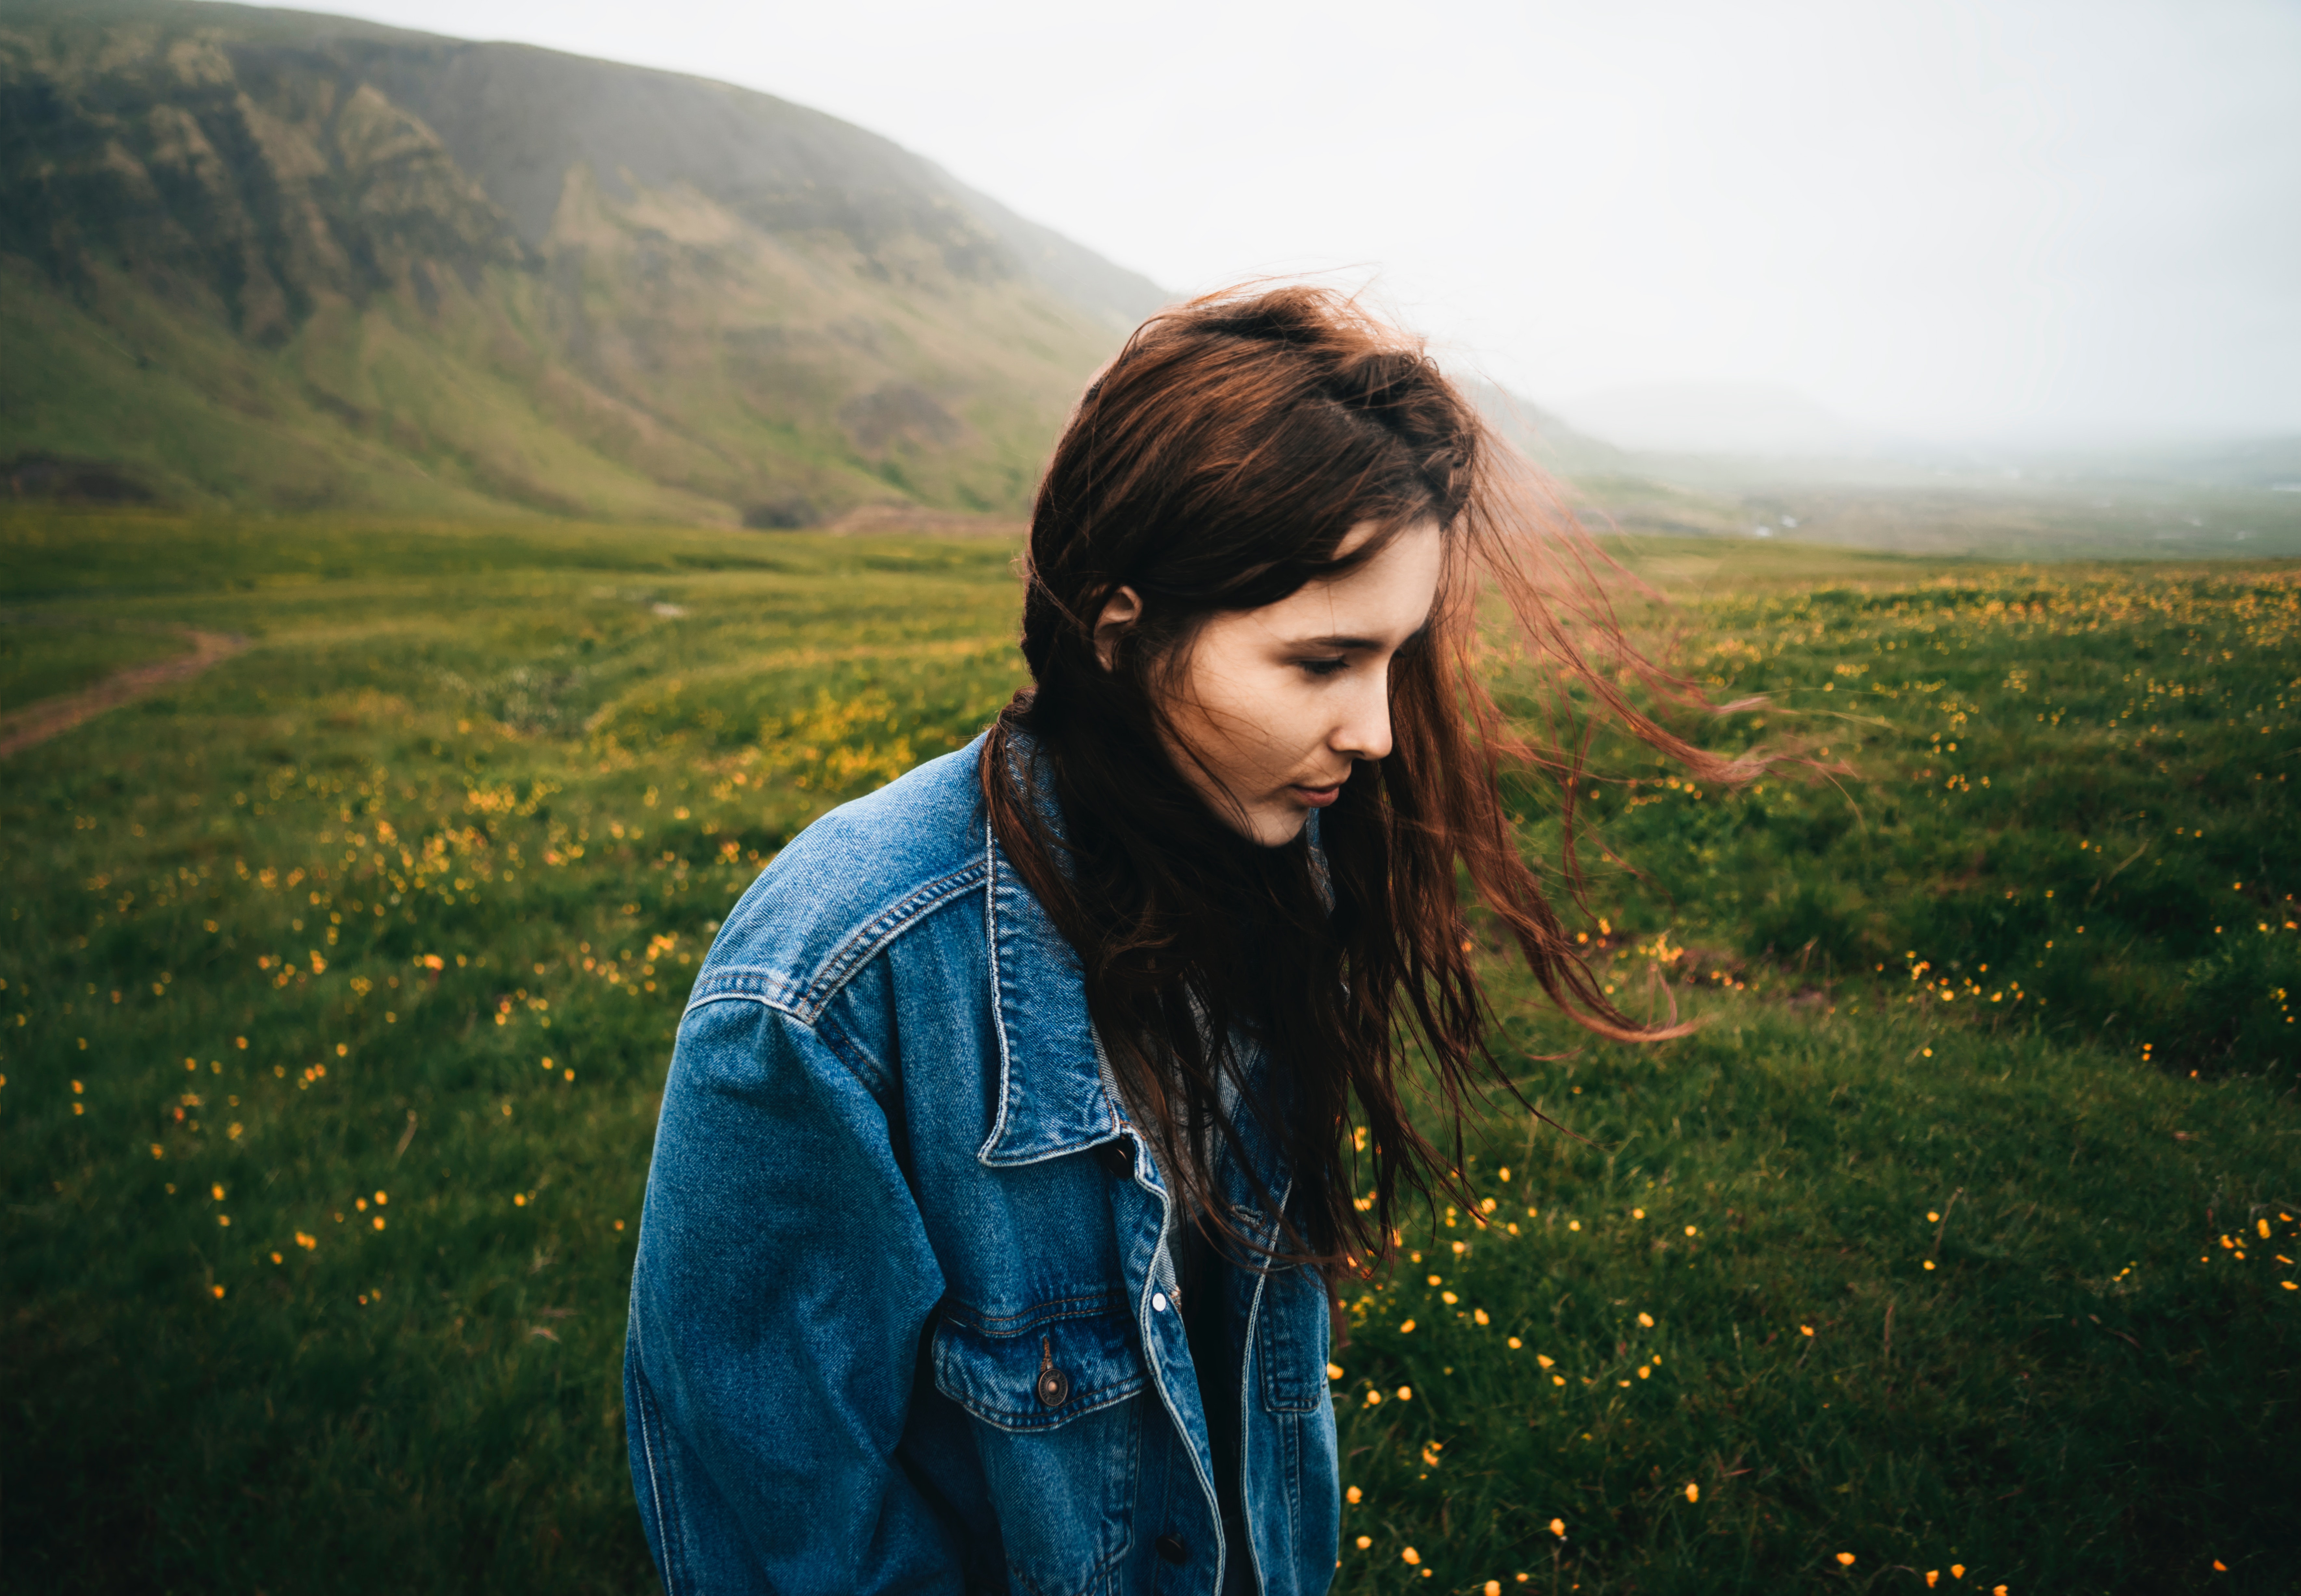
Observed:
{"x":1056,"y":1094}
{"x":1052,"y":1099}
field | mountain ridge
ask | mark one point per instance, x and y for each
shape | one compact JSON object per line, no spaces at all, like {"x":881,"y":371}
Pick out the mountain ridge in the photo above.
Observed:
{"x":290,"y":261}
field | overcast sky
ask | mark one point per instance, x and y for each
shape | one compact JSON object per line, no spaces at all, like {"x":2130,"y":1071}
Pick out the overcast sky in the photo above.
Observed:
{"x":1952,"y":220}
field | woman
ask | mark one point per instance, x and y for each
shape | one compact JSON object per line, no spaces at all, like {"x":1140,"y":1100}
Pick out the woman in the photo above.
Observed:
{"x":1018,"y":1116}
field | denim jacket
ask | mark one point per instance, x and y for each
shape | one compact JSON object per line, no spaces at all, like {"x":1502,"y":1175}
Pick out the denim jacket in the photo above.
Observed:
{"x":904,"y":1315}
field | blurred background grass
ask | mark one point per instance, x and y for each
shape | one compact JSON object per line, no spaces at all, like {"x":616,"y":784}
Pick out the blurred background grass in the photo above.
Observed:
{"x":315,"y":1266}
{"x":40,"y":662}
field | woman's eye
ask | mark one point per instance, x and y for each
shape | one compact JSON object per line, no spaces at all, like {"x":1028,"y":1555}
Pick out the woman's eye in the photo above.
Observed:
{"x":1323,"y":667}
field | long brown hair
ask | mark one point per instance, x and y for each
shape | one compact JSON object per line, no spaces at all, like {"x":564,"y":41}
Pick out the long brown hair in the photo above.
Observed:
{"x":1218,"y":464}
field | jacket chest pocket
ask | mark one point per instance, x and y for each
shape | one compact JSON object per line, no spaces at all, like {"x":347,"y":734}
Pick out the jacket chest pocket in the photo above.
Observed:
{"x":1040,"y":1370}
{"x":1291,"y":1342}
{"x":1058,"y":1430}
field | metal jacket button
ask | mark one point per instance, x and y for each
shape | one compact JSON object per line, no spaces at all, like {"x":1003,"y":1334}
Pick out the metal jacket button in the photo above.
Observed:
{"x":1118,"y":1158}
{"x":1171,"y":1548}
{"x":1054,"y":1386}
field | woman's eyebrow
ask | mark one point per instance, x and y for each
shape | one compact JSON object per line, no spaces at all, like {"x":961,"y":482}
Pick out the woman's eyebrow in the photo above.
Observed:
{"x":1358,"y":642}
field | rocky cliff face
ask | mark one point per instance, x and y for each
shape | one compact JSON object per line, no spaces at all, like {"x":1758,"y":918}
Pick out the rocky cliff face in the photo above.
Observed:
{"x":267,"y":258}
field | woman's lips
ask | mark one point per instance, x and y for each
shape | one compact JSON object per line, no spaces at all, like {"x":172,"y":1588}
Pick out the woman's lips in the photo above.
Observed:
{"x":1319,"y":798}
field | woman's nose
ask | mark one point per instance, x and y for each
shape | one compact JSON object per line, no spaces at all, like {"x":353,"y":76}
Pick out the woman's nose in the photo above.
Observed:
{"x":1364,"y":731}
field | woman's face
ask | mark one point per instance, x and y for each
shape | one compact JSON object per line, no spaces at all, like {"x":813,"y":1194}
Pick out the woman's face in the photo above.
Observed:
{"x":1279,"y":704}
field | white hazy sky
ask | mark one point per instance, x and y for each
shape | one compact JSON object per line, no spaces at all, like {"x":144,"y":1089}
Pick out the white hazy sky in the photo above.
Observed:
{"x":1956,"y":220}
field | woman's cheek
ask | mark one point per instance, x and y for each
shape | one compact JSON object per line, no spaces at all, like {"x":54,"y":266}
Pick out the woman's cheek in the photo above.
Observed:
{"x":1289,"y":726}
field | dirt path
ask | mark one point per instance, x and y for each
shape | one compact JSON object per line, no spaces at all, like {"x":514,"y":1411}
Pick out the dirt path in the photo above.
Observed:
{"x":37,"y":723}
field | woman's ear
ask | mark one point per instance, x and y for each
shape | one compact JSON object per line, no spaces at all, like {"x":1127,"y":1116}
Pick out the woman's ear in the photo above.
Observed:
{"x":1119,"y":613}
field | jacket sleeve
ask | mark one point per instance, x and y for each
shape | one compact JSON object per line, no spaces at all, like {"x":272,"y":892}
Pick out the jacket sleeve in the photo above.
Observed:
{"x":783,"y":1283}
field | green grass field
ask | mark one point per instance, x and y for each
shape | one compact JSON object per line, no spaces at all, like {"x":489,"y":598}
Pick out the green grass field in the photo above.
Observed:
{"x":40,"y":662}
{"x":338,"y":987}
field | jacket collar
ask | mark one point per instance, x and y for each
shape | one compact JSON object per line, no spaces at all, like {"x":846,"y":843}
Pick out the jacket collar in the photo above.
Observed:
{"x":1056,"y":1092}
{"x":1054,"y":1096}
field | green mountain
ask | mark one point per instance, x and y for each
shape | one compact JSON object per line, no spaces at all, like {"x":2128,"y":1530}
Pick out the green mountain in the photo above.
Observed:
{"x":280,"y":260}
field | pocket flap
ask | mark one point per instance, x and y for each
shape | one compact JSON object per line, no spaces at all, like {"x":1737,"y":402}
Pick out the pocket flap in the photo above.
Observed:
{"x":1041,"y":1368}
{"x":1292,"y":1341}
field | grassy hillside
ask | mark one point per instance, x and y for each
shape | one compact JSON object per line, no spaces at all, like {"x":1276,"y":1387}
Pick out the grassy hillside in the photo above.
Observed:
{"x":277,"y":261}
{"x":339,"y":984}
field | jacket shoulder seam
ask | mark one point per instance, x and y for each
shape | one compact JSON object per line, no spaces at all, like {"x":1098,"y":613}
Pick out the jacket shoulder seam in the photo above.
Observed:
{"x":805,"y":998}
{"x":866,"y":941}
{"x":835,"y":1040}
{"x":762,"y":987}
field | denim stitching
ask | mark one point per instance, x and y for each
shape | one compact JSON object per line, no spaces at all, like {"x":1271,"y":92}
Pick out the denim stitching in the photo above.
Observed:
{"x":1023,"y":1421}
{"x":830,"y":1044}
{"x":805,"y":1000}
{"x":760,"y":986}
{"x":998,"y":998}
{"x":664,"y":1528}
{"x":783,"y":1010}
{"x":1254,"y":1310}
{"x":842,"y":1045}
{"x":874,"y":933}
{"x":1031,"y":1318}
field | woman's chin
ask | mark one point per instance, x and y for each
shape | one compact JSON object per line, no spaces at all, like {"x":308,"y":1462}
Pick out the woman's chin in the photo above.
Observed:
{"x":1275,"y":825}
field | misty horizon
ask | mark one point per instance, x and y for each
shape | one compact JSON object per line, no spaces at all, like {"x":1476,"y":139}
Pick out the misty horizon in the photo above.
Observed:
{"x":2040,"y":226}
